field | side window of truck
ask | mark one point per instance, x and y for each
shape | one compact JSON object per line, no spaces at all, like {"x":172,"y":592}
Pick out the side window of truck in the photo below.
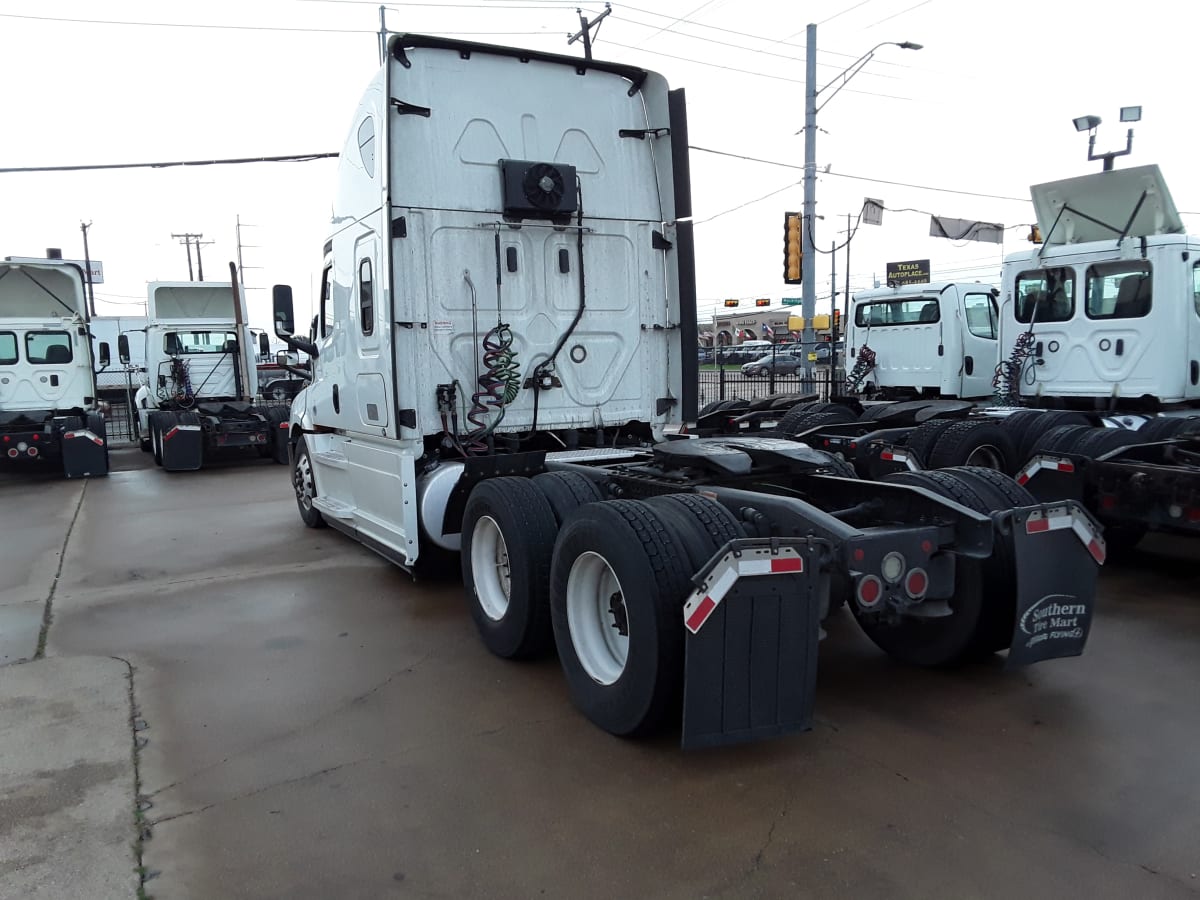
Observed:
{"x":48,"y":348}
{"x":1118,"y":290}
{"x":1045,"y":295}
{"x":1196,"y":287}
{"x":8,"y":348}
{"x":366,"y":145}
{"x":366,"y":297}
{"x":981,"y":315}
{"x":326,"y":302}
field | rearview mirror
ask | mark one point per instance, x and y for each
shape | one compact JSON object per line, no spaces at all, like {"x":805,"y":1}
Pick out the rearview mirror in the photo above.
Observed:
{"x":264,"y":345}
{"x":285,"y":318}
{"x":105,"y":355}
{"x":123,"y":349}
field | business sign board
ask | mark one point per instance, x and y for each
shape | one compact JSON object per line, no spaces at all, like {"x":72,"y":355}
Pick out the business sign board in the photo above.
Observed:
{"x":913,"y":271}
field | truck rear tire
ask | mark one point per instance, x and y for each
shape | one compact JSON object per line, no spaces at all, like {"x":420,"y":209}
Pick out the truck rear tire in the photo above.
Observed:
{"x":920,"y":442}
{"x":704,"y":525}
{"x":305,"y":485}
{"x":156,"y":436}
{"x":508,"y":534}
{"x":566,"y":492}
{"x":1040,"y":426}
{"x":974,"y":442}
{"x":618,"y":583}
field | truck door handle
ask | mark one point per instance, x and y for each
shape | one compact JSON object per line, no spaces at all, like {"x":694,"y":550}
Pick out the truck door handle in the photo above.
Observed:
{"x":1037,"y":350}
{"x":337,"y":405}
{"x":968,"y":365}
{"x":1120,"y":346}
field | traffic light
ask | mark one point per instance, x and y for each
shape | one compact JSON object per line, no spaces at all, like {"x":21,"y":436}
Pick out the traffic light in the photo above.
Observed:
{"x":730,"y":303}
{"x":763,"y":301}
{"x":793,"y":248}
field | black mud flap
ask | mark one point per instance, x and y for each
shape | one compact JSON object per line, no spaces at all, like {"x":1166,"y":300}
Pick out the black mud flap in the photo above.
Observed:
{"x":1058,"y":551}
{"x":751,"y":667}
{"x":84,"y":454}
{"x":182,"y":448}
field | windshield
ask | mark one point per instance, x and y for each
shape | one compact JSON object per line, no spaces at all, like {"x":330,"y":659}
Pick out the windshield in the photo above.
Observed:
{"x":183,"y":342}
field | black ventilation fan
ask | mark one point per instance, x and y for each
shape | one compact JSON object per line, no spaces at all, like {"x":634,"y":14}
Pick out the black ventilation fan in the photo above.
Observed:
{"x":538,"y":190}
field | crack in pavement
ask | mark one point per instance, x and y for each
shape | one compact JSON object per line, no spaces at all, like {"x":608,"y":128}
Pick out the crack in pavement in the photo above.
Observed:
{"x":260,"y":790}
{"x":291,"y":732}
{"x":48,"y":609}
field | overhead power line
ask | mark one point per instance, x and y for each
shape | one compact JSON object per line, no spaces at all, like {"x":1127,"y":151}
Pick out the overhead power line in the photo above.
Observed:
{"x":920,"y":187}
{"x":296,"y":157}
{"x":246,"y":27}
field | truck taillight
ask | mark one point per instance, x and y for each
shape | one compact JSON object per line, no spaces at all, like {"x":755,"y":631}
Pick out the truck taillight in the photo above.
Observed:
{"x":12,"y":453}
{"x":916,"y":583}
{"x":870,"y":591}
{"x":32,"y":451}
{"x":37,"y":437}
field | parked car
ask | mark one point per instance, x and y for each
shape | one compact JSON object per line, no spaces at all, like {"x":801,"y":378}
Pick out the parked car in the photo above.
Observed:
{"x":782,"y":363}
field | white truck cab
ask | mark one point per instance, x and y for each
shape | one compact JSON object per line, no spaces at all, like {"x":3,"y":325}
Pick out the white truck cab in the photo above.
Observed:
{"x":924,"y":340}
{"x":498,"y":273}
{"x":1106,"y":313}
{"x":199,"y":391}
{"x":47,"y":370}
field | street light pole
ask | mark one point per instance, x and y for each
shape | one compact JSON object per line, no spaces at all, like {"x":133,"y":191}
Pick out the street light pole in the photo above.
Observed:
{"x":808,"y":283}
{"x":808,"y":271}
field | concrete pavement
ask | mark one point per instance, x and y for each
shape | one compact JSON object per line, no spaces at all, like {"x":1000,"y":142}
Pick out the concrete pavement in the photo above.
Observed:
{"x":319,"y":726}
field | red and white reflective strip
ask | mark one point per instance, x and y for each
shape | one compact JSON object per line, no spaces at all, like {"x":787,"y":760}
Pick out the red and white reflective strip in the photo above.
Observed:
{"x":1035,"y":465}
{"x":759,"y":561}
{"x":177,"y":428}
{"x":1061,"y":517}
{"x":94,"y":438}
{"x":900,"y":456}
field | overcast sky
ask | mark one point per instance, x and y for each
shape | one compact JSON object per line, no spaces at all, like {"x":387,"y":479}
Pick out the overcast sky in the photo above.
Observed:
{"x":985,"y":109}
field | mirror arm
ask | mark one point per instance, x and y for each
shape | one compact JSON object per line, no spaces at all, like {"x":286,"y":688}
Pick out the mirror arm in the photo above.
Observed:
{"x":297,"y":343}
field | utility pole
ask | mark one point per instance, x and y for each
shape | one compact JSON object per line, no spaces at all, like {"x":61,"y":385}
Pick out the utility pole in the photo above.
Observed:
{"x":808,"y":272}
{"x":87,"y":264}
{"x":811,"y":108}
{"x":585,"y":30}
{"x":186,"y":239}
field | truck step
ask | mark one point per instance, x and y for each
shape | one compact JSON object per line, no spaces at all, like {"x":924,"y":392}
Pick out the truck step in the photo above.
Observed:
{"x":334,"y":508}
{"x":330,"y":458}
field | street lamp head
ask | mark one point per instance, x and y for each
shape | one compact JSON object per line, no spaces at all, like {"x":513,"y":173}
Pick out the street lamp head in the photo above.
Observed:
{"x":909,"y":45}
{"x":1086,"y":123}
{"x":1131,"y":114}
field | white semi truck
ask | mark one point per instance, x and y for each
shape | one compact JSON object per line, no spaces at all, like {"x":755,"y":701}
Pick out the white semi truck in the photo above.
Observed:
{"x":924,"y":340}
{"x":49,"y":412}
{"x":502,"y":360}
{"x":199,"y":393}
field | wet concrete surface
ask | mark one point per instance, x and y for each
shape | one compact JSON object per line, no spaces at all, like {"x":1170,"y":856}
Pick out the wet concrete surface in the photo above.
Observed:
{"x":319,"y":726}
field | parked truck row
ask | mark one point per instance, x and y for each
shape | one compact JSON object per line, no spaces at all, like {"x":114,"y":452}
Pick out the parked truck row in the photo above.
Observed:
{"x":1081,"y":370}
{"x":502,"y":369}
